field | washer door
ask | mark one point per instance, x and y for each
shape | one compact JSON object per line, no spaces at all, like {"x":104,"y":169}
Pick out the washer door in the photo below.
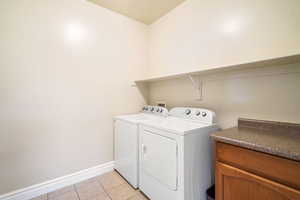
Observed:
{"x":159,"y":158}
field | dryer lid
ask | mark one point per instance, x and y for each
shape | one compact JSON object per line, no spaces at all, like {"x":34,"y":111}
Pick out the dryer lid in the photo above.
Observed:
{"x":175,"y":125}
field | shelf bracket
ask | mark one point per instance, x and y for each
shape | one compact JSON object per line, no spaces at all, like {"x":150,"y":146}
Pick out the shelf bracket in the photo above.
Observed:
{"x":198,"y":86}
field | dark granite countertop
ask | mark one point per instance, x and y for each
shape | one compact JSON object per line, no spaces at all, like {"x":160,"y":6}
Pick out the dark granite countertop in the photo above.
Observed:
{"x":277,"y":138}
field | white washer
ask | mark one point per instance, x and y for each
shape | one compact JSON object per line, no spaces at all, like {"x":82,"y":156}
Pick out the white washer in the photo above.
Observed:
{"x":176,"y":155}
{"x":126,"y":138}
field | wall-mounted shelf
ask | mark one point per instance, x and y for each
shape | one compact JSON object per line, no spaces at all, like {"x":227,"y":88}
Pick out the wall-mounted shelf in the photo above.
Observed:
{"x":290,"y":59}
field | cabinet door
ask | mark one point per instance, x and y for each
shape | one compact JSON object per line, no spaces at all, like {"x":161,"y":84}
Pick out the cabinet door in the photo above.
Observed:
{"x":236,"y":184}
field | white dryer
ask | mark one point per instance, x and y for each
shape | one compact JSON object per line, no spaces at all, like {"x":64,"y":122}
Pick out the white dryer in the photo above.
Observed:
{"x":126,"y":141}
{"x":176,"y":155}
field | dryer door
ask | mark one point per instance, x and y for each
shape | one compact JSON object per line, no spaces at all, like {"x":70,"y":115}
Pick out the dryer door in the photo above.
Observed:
{"x":159,"y":158}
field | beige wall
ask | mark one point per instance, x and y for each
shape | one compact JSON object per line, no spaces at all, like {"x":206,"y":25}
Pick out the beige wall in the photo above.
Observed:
{"x":66,"y":68}
{"x":201,"y":34}
{"x":269,"y":94}
{"x":204,"y":34}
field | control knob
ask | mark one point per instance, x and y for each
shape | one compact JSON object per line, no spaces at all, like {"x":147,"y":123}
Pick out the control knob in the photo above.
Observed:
{"x":204,"y":114}
{"x":187,"y":111}
{"x":198,"y":113}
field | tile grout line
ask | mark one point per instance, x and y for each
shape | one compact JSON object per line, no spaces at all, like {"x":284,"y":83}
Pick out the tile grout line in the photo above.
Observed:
{"x":98,"y":180}
{"x":75,"y":189}
{"x":125,"y":182}
{"x":104,"y":189}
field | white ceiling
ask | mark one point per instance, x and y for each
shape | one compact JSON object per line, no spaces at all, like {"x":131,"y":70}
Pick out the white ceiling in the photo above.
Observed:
{"x":146,"y":11}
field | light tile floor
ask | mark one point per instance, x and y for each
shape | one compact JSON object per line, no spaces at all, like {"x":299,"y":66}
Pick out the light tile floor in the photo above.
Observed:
{"x":109,"y":186}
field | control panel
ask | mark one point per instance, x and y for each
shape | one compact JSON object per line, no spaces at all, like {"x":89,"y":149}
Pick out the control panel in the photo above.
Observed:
{"x":196,"y":114}
{"x":158,"y":110}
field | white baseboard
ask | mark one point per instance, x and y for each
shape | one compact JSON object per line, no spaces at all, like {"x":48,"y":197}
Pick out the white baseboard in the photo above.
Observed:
{"x":52,"y":185}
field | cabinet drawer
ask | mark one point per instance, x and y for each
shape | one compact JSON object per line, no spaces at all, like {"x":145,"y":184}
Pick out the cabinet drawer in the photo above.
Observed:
{"x":275,"y":168}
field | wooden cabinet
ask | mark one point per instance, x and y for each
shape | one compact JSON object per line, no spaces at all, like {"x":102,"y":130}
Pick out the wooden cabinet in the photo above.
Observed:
{"x":270,"y":178}
{"x":236,"y":184}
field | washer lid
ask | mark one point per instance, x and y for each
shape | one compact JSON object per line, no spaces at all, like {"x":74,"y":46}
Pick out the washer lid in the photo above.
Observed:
{"x":148,"y":112}
{"x":136,"y":118}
